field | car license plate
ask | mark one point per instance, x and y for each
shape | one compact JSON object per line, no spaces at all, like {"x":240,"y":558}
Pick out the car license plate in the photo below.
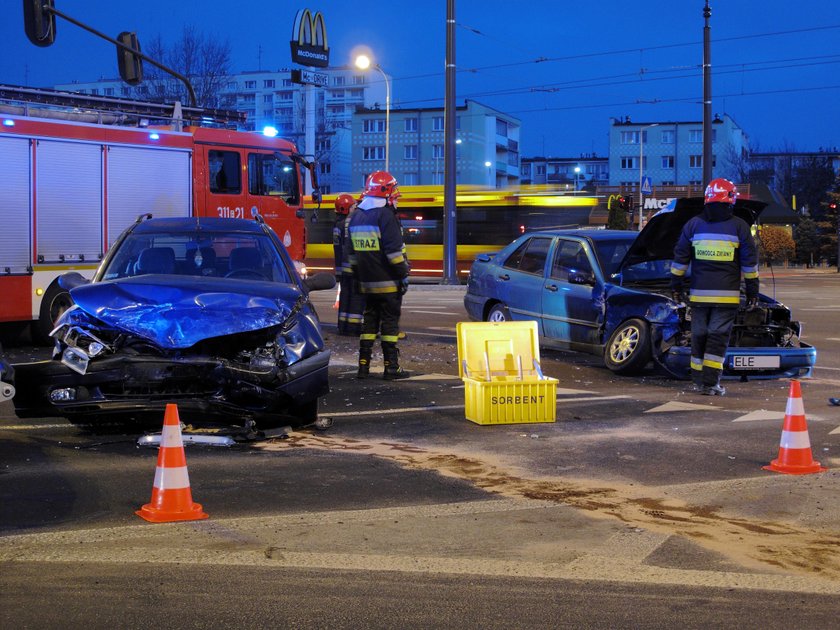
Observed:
{"x":754,"y":362}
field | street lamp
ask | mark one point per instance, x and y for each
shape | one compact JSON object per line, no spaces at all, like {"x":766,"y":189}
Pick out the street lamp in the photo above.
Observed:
{"x":488,"y":164}
{"x":577,"y":174}
{"x":641,"y":172}
{"x":363,"y":62}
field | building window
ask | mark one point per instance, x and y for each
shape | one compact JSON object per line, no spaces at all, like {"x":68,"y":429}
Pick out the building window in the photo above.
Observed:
{"x":629,"y":137}
{"x":287,"y":83}
{"x":437,"y":123}
{"x":667,"y":161}
{"x":373,"y":125}
{"x":541,"y":169}
{"x":286,"y":96}
{"x":629,"y":162}
{"x":457,"y":123}
{"x":249,"y":98}
{"x":358,"y":79}
{"x":695,"y":161}
{"x":268,"y":83}
{"x":336,"y":110}
{"x":109,"y":91}
{"x":501,"y":128}
{"x":409,"y":179}
{"x":338,"y":81}
{"x":411,"y":124}
{"x":324,"y":167}
{"x":323,"y":145}
{"x":526,"y":170}
{"x":250,"y":85}
{"x":667,"y":183}
{"x":667,"y":136}
{"x":695,"y":135}
{"x":437,"y":151}
{"x":695,"y":182}
{"x":411,"y":152}
{"x":357,"y":93}
{"x":336,"y":93}
{"x":373,"y":153}
{"x":267,"y":98}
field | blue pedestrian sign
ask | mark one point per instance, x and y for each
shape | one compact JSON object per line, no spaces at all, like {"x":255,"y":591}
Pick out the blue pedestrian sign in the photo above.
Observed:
{"x":646,"y":185}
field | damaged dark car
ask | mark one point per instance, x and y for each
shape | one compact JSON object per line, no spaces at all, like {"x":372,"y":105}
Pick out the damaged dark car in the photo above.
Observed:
{"x":206,"y":313}
{"x":607,"y":292}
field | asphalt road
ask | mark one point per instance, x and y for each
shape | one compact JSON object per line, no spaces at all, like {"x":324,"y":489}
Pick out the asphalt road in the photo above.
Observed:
{"x":644,"y":505}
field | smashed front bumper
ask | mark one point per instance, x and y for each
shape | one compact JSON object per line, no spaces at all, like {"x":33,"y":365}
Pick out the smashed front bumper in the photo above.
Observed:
{"x":136,"y":386}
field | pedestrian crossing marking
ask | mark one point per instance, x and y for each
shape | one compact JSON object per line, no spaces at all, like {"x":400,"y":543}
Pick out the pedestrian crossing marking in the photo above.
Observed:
{"x":761,"y":414}
{"x":680,"y":406}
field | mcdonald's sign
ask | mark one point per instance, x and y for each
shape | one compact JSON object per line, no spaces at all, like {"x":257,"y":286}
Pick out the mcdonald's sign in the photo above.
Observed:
{"x":309,"y":40}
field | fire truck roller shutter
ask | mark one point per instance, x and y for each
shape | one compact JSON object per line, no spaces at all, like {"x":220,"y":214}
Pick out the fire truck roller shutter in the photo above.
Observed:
{"x":144,"y":180}
{"x":15,"y":240}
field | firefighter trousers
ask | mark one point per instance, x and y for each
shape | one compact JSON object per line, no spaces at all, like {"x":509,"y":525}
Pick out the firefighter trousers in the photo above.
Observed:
{"x":711,"y":327}
{"x":382,"y":317}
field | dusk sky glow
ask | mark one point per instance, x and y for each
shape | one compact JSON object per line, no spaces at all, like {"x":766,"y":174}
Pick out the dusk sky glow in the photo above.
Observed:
{"x":564,"y":69}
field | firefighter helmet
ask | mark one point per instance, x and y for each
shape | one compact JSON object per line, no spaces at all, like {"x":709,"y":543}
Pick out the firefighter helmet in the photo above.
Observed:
{"x":721,"y":191}
{"x":343,"y":203}
{"x":381,"y":184}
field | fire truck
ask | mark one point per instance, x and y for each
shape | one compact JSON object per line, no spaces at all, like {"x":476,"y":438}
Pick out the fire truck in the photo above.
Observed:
{"x":78,"y":169}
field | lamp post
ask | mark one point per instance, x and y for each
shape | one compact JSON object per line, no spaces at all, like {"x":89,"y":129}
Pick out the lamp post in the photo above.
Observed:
{"x":577,"y":175}
{"x":488,"y":164}
{"x":641,"y":167}
{"x":363,"y":62}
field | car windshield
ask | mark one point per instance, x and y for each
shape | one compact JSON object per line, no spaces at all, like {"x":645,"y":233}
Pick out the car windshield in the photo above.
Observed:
{"x":239,"y":255}
{"x":612,"y":252}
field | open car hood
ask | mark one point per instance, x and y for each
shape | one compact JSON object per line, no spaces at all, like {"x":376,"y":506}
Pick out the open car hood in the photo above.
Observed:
{"x":658,"y":238}
{"x":178,"y":312}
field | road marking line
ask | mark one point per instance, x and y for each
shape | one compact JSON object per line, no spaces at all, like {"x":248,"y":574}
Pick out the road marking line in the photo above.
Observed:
{"x":680,"y":406}
{"x":29,"y":427}
{"x":411,"y":310}
{"x":761,"y":414}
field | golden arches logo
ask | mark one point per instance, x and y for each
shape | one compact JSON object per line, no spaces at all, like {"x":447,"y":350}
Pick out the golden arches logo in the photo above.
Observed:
{"x":309,"y":39}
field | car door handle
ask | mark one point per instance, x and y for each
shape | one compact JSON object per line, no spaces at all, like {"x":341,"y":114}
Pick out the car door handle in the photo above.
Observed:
{"x":504,"y":276}
{"x":551,"y":287}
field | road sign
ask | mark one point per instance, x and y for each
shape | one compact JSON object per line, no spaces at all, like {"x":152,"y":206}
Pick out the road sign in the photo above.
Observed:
{"x":647,"y":188}
{"x":307,"y":77}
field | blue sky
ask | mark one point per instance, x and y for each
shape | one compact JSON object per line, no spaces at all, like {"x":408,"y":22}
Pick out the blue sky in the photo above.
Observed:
{"x":563,"y":68}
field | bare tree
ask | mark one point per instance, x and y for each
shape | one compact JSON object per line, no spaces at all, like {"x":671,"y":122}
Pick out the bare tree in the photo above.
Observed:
{"x":203,"y":59}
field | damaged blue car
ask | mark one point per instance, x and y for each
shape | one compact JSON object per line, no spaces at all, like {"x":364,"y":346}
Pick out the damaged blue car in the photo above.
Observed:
{"x":206,"y":313}
{"x":607,"y":292}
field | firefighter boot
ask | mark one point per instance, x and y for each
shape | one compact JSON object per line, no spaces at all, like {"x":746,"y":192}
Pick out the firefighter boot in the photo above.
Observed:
{"x":365,"y":354}
{"x":393,"y":371}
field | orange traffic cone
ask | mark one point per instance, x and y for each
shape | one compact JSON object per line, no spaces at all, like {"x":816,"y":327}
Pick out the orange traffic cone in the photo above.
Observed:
{"x":795,"y":449}
{"x":171,"y":496}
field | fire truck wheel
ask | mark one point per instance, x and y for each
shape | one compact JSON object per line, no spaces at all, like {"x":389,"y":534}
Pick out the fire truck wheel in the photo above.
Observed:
{"x":56,"y":300}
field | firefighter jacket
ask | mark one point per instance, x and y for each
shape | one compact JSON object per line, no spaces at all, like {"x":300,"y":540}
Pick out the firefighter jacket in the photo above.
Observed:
{"x":341,"y":249}
{"x":720,"y":248}
{"x":376,"y":249}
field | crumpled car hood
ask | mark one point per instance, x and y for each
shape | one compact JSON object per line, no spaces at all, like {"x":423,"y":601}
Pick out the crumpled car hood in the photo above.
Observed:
{"x":175,"y":312}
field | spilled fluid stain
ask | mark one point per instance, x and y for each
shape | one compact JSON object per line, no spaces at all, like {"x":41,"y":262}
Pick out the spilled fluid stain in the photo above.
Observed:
{"x":752,"y":543}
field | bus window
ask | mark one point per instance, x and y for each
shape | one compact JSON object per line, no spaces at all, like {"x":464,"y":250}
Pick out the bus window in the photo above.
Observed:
{"x":224,"y":169}
{"x":274,"y":176}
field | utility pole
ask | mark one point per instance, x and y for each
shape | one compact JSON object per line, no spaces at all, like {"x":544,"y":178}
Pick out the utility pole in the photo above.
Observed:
{"x":707,"y":96}
{"x":450,"y":238}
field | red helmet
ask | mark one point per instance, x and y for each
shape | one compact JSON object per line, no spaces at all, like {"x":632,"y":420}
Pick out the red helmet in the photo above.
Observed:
{"x":381,"y":184}
{"x":721,"y":191}
{"x":343,"y":203}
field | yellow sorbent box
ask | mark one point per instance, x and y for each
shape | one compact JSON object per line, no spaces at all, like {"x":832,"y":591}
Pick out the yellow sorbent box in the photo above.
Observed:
{"x":500,"y":365}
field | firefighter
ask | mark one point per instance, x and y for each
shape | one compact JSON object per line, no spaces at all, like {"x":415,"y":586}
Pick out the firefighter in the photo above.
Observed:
{"x":720,"y":249}
{"x":351,"y":304}
{"x":379,"y":265}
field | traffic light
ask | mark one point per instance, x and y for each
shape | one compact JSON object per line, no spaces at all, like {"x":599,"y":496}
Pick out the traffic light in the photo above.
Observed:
{"x":131,"y":66}
{"x":39,"y":21}
{"x":629,"y":204}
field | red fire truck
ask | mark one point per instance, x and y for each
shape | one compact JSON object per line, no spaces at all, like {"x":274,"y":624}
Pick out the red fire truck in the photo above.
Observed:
{"x":78,"y":169}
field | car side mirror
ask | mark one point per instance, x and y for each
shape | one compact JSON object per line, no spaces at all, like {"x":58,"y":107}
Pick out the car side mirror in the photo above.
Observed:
{"x":320,"y":281}
{"x":72,"y":280}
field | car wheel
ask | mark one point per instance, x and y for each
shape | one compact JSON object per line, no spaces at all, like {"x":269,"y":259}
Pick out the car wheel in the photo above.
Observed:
{"x":628,"y":349}
{"x":56,"y":300}
{"x":498,"y":313}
